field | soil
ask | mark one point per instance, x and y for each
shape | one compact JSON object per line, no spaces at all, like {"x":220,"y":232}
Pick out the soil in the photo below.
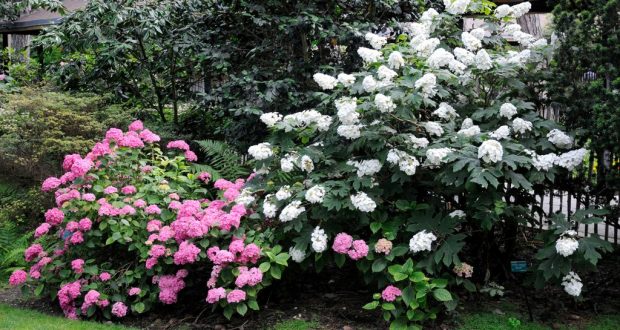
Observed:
{"x":333,"y":300}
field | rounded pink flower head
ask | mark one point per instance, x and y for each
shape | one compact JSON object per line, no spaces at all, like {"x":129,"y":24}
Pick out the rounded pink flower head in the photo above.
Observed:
{"x":131,"y":140}
{"x":88,"y":197}
{"x":33,"y":252}
{"x":204,"y":176}
{"x":216,"y":294}
{"x":129,"y":190}
{"x":105,"y":276}
{"x":91,"y":297}
{"x":43,"y":229}
{"x":149,"y":137}
{"x":77,"y":238}
{"x":390,"y":293}
{"x":152,"y":209}
{"x":139,"y":203}
{"x":18,"y":277}
{"x":190,"y":156}
{"x":114,"y":134}
{"x":359,"y":250}
{"x":77,"y":265}
{"x":119,"y":309}
{"x":110,"y":190}
{"x":178,"y":144}
{"x":86,"y":224}
{"x":54,"y":216}
{"x":69,"y":160}
{"x":50,"y":183}
{"x":81,"y":167}
{"x":136,"y":126}
{"x":342,"y":243}
{"x":235,"y":296}
{"x":383,"y":246}
{"x":134,"y":291}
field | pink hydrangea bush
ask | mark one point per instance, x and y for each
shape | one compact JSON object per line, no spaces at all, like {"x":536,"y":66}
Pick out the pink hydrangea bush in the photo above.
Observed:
{"x":132,"y":222}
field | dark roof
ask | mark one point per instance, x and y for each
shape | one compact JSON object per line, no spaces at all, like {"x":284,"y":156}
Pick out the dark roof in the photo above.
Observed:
{"x":39,"y":19}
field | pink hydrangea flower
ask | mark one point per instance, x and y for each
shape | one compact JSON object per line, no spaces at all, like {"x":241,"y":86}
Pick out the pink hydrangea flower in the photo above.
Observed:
{"x":134,"y":291}
{"x":105,"y":276}
{"x":69,"y":160}
{"x":131,"y":140}
{"x":66,"y":295}
{"x":359,"y":250}
{"x":178,"y":144}
{"x":18,"y":277}
{"x":342,"y":243}
{"x":54,"y":216}
{"x":204,"y":176}
{"x":157,"y":251}
{"x":114,"y":134}
{"x":77,"y":266}
{"x":77,"y":238}
{"x":190,"y":156}
{"x":86,"y":224}
{"x":129,"y":190}
{"x":33,"y":252}
{"x":91,"y":297}
{"x":174,"y":196}
{"x":153,"y":225}
{"x":249,"y":277}
{"x":186,"y":254}
{"x":88,"y":197}
{"x":152,"y":209}
{"x":72,"y":226}
{"x":235,"y":296}
{"x":169,"y":287}
{"x":146,"y":169}
{"x":119,"y":309}
{"x":251,"y":253}
{"x":50,"y":183}
{"x":216,"y":294}
{"x":103,"y":303}
{"x":43,"y":229}
{"x":136,"y":126}
{"x":139,"y":203}
{"x":390,"y":293}
{"x":110,"y":190}
{"x":149,"y":137}
{"x":81,"y":167}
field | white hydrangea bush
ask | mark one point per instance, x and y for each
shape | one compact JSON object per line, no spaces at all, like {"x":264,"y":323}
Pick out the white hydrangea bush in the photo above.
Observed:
{"x":422,"y":147}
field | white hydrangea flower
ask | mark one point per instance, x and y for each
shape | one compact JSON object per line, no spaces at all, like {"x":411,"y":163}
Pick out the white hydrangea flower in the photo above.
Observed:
{"x":470,"y":42}
{"x":566,"y":246}
{"x":271,"y":118}
{"x":418,"y":143}
{"x":386,"y":73}
{"x":291,"y":211}
{"x":570,"y":160}
{"x":434,"y":157}
{"x":521,"y":9}
{"x":347,"y":113}
{"x":306,"y":164}
{"x":507,"y":110}
{"x":542,"y":42}
{"x":428,"y":17}
{"x":366,"y":167}
{"x":297,"y":255}
{"x":325,"y":81}
{"x":269,"y":209}
{"x":467,"y":123}
{"x":428,"y":84}
{"x":509,"y":29}
{"x":319,"y":240}
{"x":287,"y":164}
{"x":457,"y":67}
{"x":500,"y":133}
{"x":523,"y":38}
{"x":376,"y":41}
{"x":396,"y":60}
{"x":315,"y":194}
{"x":465,"y":56}
{"x":422,"y":241}
{"x":503,"y":11}
{"x":369,"y":55}
{"x":445,"y":111}
{"x":245,"y":197}
{"x":439,"y":58}
{"x":408,"y":164}
{"x":284,"y":193}
{"x":521,"y":125}
{"x":480,"y":33}
{"x":362,"y":202}
{"x":369,"y":84}
{"x":560,"y":139}
{"x":384,"y":103}
{"x":490,"y":151}
{"x":426,"y":47}
{"x":457,"y":214}
{"x":433,"y":128}
{"x":301,"y":120}
{"x":470,"y":131}
{"x":350,"y":132}
{"x":346,"y":79}
{"x":483,"y":60}
{"x":416,"y":29}
{"x":394,"y":156}
{"x":572,"y":284}
{"x":544,"y":162}
{"x":456,"y":7}
{"x":261,"y":151}
{"x":323,"y":123}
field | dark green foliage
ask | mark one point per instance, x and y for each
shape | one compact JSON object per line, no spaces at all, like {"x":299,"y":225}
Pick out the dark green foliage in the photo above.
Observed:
{"x":224,"y":161}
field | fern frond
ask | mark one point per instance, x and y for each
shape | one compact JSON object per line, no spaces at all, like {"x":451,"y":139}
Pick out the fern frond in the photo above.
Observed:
{"x":224,"y":160}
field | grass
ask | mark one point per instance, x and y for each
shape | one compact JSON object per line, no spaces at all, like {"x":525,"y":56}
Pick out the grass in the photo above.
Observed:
{"x":22,"y":319}
{"x":296,"y":325}
{"x":490,"y":321}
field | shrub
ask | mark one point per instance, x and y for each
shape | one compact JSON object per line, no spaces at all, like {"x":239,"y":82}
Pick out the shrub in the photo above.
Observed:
{"x":39,"y":126}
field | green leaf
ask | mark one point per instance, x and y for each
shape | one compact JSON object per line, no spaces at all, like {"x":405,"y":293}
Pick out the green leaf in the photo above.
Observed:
{"x":264,"y":267}
{"x":39,"y":290}
{"x":408,"y":295}
{"x":379,"y":265}
{"x":253,"y":305}
{"x":242,"y":308}
{"x":375,"y":226}
{"x":388,"y":306}
{"x":139,"y":307}
{"x":442,"y":295}
{"x":276,"y":272}
{"x":339,"y":259}
{"x":371,"y":305}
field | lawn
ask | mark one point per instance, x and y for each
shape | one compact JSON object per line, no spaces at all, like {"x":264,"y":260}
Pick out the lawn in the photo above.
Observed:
{"x":18,"y":319}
